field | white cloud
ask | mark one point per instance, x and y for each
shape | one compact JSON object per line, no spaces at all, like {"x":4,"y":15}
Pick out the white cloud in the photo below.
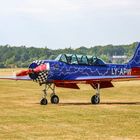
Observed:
{"x":57,"y":10}
{"x":68,"y":21}
{"x":55,"y":7}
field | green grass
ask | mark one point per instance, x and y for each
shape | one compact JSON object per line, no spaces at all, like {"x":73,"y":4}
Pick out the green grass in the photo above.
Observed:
{"x":116,"y":118}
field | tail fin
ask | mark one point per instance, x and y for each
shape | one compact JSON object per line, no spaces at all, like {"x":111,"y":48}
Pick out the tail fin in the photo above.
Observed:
{"x":135,"y":61}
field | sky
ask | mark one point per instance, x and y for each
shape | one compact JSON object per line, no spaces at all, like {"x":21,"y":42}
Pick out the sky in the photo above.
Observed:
{"x":69,"y":23}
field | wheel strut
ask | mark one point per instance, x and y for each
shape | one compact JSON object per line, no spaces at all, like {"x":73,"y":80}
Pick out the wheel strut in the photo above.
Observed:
{"x":44,"y":100}
{"x":54,"y":98}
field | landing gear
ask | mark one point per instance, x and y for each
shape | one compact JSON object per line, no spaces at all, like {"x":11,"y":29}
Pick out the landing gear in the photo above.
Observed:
{"x":54,"y":98}
{"x":44,"y":101}
{"x":95,"y":99}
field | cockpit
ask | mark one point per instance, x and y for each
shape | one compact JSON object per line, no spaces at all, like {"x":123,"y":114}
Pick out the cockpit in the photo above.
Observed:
{"x":80,"y":59}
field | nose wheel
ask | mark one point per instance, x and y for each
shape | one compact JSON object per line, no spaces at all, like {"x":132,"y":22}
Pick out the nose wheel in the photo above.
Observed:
{"x":44,"y":101}
{"x":54,"y":98}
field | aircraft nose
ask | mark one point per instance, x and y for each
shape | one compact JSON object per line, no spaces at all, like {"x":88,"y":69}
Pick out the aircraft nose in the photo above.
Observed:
{"x":34,"y":68}
{"x":39,"y":71}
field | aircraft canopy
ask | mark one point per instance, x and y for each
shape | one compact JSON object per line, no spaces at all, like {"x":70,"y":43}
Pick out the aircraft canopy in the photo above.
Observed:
{"x":80,"y":59}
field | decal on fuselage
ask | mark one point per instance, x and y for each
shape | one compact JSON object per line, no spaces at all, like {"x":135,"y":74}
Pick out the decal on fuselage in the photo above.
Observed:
{"x":119,"y":71}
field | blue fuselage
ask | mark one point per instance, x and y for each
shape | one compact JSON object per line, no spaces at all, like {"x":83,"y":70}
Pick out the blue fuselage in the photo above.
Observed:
{"x":63,"y":71}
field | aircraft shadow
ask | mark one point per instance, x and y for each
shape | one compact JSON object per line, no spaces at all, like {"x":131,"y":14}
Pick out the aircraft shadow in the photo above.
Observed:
{"x":102,"y":103}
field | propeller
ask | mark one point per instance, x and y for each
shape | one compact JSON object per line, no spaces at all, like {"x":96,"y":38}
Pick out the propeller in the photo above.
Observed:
{"x":40,"y":68}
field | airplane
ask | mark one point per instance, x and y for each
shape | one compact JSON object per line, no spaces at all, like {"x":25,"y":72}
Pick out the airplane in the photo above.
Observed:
{"x":69,"y":70}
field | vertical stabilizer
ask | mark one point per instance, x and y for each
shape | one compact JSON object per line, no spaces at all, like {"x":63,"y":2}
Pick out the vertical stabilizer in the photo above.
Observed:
{"x":135,"y":61}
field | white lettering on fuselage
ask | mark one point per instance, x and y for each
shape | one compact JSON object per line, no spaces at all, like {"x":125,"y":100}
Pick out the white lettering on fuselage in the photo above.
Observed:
{"x":118,"y":71}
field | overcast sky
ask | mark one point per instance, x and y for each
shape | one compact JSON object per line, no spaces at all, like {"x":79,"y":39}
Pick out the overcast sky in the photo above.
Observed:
{"x":65,"y":23}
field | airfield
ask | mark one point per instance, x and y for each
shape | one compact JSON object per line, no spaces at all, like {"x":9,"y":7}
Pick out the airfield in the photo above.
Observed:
{"x":74,"y":118}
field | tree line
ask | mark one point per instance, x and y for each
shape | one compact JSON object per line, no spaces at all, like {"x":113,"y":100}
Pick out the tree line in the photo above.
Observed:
{"x":13,"y":56}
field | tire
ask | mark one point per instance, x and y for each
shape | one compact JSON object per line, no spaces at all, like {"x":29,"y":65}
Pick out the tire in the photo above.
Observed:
{"x":95,"y":99}
{"x":44,"y":101}
{"x":54,"y":99}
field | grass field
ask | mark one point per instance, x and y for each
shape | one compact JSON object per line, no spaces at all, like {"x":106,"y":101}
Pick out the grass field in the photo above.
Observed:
{"x":74,"y":118}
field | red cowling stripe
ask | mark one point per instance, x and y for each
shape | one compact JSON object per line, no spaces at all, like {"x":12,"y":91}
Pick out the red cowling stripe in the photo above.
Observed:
{"x":38,"y":69}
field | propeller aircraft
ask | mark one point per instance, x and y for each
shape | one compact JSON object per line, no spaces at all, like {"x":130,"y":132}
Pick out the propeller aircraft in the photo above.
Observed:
{"x":68,"y":70}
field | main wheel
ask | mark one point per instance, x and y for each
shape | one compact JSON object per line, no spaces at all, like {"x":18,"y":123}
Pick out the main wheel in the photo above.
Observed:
{"x":44,"y":101}
{"x":54,"y":99}
{"x":95,"y":99}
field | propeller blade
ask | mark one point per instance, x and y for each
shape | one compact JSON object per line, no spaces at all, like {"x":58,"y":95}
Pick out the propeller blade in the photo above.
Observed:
{"x":24,"y":72}
{"x":38,"y":69}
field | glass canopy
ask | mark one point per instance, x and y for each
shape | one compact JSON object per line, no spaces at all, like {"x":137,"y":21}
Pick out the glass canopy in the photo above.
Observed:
{"x":80,"y":59}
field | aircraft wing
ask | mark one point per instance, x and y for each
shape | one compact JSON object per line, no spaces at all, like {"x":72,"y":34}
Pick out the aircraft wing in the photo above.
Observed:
{"x":107,"y":78}
{"x":14,"y":77}
{"x":105,"y":81}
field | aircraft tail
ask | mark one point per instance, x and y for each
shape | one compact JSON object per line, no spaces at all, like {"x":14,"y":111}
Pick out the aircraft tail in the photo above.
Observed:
{"x":135,"y":61}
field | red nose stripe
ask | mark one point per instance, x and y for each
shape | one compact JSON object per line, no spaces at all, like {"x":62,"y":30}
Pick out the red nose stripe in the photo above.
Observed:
{"x":40,"y":68}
